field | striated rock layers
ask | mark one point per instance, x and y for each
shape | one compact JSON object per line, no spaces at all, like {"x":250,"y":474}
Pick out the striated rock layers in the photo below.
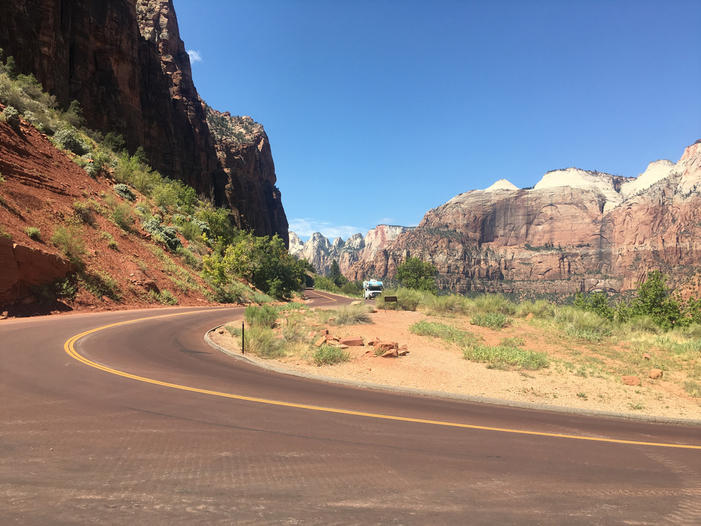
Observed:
{"x":574,"y":231}
{"x":320,"y":252}
{"x":124,"y":61}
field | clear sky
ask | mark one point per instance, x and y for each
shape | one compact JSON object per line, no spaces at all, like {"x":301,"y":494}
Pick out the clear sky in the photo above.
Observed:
{"x":378,"y":111}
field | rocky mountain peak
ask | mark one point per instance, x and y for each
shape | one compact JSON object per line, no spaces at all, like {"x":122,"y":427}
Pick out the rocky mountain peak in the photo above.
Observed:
{"x":501,"y":184}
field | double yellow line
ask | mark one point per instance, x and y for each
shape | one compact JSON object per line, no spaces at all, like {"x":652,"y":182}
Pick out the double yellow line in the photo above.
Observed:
{"x":70,"y":349}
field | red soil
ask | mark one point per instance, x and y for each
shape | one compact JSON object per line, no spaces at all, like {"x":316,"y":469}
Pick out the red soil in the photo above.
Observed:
{"x":41,"y":184}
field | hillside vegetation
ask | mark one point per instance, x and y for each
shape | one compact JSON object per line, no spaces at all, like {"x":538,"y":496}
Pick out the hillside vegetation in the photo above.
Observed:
{"x":131,"y":235}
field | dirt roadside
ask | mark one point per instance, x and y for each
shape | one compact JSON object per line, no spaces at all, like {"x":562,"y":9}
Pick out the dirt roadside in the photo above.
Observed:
{"x":439,"y":367}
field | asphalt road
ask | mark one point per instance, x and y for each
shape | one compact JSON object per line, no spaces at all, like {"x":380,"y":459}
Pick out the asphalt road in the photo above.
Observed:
{"x":81,"y":444}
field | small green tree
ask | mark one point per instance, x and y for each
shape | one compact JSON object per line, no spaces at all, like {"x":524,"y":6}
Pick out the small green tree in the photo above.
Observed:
{"x":335,"y":274}
{"x":417,"y":274}
{"x":597,"y":302}
{"x":262,"y":261}
{"x":654,"y":299}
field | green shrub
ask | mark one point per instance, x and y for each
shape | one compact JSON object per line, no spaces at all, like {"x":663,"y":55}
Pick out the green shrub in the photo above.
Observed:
{"x":74,"y":114}
{"x":597,"y":302}
{"x":167,"y":235}
{"x":352,"y":288}
{"x":262,"y":341}
{"x":539,"y":309}
{"x":693,"y":388}
{"x":584,"y":325}
{"x":111,"y":243}
{"x":451,"y":304}
{"x":189,"y":258}
{"x":495,"y":303}
{"x":350,"y":315}
{"x":100,"y":284}
{"x":191,"y":230}
{"x":163,"y":296}
{"x":407,"y":299}
{"x":124,"y":192}
{"x":653,"y":299}
{"x":324,"y":283}
{"x":263,"y":316}
{"x":231,"y":292}
{"x":69,"y":139}
{"x":33,"y":233}
{"x":492,"y":320}
{"x":123,"y":217}
{"x":10,"y":115}
{"x":330,"y":355}
{"x":295,"y":330}
{"x":66,"y":288}
{"x":444,"y":332}
{"x":84,"y":211}
{"x":114,"y":142}
{"x":502,"y":356}
{"x":70,"y":241}
{"x":515,"y":341}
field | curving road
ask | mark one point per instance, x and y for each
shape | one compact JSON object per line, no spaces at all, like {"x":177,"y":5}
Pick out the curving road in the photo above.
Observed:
{"x":81,"y":444}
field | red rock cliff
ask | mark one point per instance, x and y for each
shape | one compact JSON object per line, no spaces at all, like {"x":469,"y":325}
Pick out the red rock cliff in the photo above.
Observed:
{"x":124,"y":61}
{"x":574,"y":231}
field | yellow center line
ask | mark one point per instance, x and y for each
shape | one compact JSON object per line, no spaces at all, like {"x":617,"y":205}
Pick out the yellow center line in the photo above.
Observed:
{"x":69,"y":347}
{"x":325,"y":296}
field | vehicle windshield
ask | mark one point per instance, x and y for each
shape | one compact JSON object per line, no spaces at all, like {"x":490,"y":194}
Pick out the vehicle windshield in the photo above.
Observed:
{"x":375,"y":287}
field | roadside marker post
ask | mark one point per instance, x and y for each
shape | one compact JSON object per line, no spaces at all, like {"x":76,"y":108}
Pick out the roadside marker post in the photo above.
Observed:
{"x":243,"y":339}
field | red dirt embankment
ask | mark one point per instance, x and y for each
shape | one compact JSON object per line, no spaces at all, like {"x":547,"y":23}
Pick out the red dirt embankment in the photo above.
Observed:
{"x":39,"y":187}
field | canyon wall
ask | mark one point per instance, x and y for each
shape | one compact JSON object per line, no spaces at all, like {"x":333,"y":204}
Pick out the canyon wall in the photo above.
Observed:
{"x":574,"y":231}
{"x":125,"y":62}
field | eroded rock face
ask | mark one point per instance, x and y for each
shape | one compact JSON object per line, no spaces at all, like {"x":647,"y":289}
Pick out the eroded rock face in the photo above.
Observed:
{"x":321,"y":253}
{"x":124,"y":61}
{"x":249,"y":190}
{"x":574,"y":231}
{"x":24,"y":267}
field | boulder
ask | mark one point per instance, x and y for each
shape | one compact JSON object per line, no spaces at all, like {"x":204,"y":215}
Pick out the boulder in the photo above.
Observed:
{"x":655,"y":374}
{"x":352,"y":342}
{"x":630,"y":380}
{"x":22,"y":268}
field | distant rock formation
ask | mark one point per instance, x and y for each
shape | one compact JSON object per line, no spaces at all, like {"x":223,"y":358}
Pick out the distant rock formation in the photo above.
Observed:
{"x":321,"y":253}
{"x":125,"y":62}
{"x":576,"y":230}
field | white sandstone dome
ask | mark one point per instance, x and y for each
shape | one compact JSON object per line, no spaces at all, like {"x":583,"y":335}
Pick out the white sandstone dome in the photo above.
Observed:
{"x":501,"y":184}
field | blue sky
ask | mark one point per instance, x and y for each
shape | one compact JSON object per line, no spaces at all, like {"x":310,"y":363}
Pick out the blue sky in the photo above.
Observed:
{"x":378,"y":111}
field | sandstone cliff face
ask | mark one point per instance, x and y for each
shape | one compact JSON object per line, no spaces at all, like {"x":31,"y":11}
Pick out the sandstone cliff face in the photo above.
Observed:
{"x":24,"y":268}
{"x":249,"y":190}
{"x":124,"y":61}
{"x":320,"y":252}
{"x":573,"y":231}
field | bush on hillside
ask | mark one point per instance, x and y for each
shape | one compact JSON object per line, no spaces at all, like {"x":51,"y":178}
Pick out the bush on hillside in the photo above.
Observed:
{"x":10,"y":115}
{"x":417,"y":274}
{"x":69,"y":139}
{"x":262,"y":261}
